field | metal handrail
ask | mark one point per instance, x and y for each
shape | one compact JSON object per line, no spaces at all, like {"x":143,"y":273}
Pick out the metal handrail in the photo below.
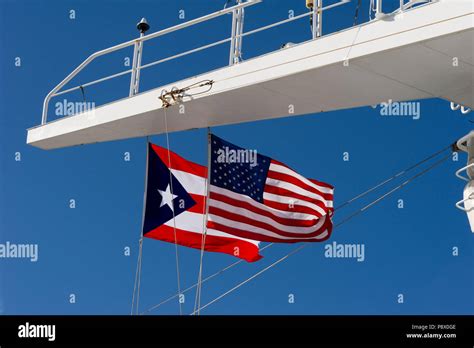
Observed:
{"x":412,"y":3}
{"x":133,"y":42}
{"x":379,"y":14}
{"x":144,"y":66}
{"x":136,"y":68}
{"x":306,"y":14}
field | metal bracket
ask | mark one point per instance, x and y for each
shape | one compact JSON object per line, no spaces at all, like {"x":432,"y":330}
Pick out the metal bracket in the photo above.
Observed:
{"x":464,"y":110}
{"x":460,"y":204}
{"x":462,"y":143}
{"x":176,"y":95}
{"x":459,"y":171}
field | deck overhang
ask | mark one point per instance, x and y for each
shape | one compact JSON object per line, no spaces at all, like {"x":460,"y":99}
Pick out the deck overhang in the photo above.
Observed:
{"x":426,"y":52}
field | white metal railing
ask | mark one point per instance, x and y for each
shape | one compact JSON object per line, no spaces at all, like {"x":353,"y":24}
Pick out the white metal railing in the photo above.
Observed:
{"x":377,"y":8}
{"x":235,"y":39}
{"x":315,"y":12}
{"x":135,"y":42}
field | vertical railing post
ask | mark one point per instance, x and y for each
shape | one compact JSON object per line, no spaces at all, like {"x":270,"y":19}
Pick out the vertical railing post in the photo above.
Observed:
{"x":139,"y":64}
{"x":319,"y":14}
{"x":142,"y":26}
{"x":402,"y":2}
{"x":315,"y":7}
{"x":134,"y":69}
{"x":236,"y":35}
{"x":232,"y":38}
{"x":239,"y":32}
{"x":378,"y":9}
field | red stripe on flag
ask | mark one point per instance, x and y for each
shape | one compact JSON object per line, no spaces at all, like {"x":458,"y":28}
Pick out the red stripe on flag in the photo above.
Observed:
{"x":320,"y":183}
{"x":200,"y":206}
{"x":292,"y":180}
{"x":246,"y":250}
{"x":287,"y":193}
{"x":245,"y":205}
{"x":178,"y":162}
{"x":261,"y":237}
{"x":295,"y":208}
{"x":263,"y":225}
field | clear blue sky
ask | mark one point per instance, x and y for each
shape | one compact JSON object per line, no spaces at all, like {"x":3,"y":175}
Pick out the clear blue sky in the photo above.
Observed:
{"x":407,"y":251}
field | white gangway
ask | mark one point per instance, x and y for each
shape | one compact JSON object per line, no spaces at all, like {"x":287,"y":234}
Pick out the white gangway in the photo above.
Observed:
{"x":419,"y":51}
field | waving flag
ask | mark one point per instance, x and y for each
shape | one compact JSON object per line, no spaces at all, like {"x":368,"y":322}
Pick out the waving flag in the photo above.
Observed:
{"x":178,"y":185}
{"x":254,"y":196}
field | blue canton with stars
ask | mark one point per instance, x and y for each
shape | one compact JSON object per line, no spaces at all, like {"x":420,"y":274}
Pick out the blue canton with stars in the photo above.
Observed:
{"x":231,"y":169}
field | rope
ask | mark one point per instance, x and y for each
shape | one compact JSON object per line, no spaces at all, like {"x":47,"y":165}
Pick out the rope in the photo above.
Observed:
{"x":294,"y":251}
{"x":356,"y":14}
{"x":138,"y":273}
{"x":176,"y":94}
{"x":197,"y":302}
{"x":174,"y":220}
{"x":227,"y":3}
{"x":393,"y":177}
{"x":203,"y":281}
{"x":199,"y":282}
{"x":395,"y":189}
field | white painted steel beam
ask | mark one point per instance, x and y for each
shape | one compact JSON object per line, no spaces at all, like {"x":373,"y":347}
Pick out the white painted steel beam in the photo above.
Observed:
{"x":408,"y":56}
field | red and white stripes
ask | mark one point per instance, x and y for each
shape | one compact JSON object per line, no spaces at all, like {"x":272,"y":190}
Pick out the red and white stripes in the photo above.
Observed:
{"x":294,"y":209}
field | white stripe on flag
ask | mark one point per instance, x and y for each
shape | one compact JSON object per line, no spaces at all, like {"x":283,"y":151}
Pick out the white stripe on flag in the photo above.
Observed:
{"x":191,"y":183}
{"x":290,"y":200}
{"x":282,"y":169}
{"x":247,"y":199}
{"x":258,"y":217}
{"x":249,"y":228}
{"x":192,"y":222}
{"x":299,"y":190}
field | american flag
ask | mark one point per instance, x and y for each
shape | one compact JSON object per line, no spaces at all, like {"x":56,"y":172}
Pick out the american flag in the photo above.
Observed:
{"x":256,"y":197}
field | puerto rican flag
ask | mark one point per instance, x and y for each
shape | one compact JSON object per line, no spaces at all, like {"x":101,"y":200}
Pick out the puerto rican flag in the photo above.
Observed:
{"x":176,"y":188}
